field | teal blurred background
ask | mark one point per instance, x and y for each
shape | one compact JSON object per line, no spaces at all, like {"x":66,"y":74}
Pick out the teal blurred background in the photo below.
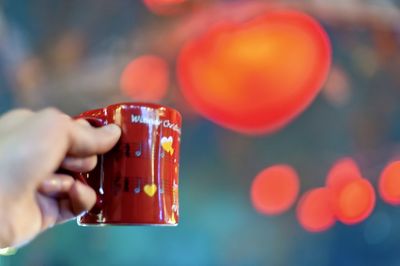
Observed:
{"x":69,"y":54}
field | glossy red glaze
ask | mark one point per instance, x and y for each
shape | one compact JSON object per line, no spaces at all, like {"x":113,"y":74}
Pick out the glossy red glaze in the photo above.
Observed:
{"x":137,"y":181}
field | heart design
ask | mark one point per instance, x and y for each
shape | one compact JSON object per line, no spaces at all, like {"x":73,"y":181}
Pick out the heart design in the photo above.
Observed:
{"x":172,"y":220}
{"x":150,"y":190}
{"x":166,"y":144}
{"x":255,"y":77}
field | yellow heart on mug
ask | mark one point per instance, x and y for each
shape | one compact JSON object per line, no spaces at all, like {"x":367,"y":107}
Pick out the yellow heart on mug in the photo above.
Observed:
{"x":150,"y":190}
{"x":166,"y":144}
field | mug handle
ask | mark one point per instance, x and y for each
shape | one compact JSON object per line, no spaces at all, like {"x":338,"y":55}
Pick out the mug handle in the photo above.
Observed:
{"x":95,"y":122}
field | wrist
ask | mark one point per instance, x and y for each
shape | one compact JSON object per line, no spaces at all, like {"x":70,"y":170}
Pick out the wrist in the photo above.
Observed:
{"x":6,"y":239}
{"x":5,"y":230}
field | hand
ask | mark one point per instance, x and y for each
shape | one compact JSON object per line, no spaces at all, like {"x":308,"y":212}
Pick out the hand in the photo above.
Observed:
{"x":33,"y":146}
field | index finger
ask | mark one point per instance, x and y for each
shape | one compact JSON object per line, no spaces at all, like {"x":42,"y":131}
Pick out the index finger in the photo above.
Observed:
{"x":85,"y":140}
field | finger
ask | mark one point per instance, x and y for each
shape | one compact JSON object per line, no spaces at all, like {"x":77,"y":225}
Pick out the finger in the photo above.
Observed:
{"x":83,"y":122}
{"x":65,"y":211}
{"x":49,"y":208}
{"x":86,"y":141}
{"x":58,"y":185}
{"x":82,"y":198}
{"x":80,"y":165}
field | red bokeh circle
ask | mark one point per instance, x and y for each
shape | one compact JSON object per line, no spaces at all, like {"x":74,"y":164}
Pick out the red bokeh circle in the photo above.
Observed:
{"x":145,"y":78}
{"x":354,"y":202}
{"x":314,"y":211}
{"x":389,"y":183}
{"x":275,"y":189}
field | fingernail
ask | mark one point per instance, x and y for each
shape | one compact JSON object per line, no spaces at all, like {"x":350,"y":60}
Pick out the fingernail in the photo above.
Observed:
{"x":113,"y":129}
{"x":53,"y":183}
{"x":71,"y":161}
{"x":65,"y":183}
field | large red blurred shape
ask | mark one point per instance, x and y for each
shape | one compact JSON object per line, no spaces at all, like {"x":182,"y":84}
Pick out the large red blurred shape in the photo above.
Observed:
{"x":255,"y":77}
{"x":354,"y":202}
{"x":275,"y":189}
{"x":145,"y":78}
{"x":314,"y":211}
{"x":389,"y":183}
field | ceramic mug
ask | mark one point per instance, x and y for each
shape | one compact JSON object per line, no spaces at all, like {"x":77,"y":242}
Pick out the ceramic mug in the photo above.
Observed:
{"x":137,"y":181}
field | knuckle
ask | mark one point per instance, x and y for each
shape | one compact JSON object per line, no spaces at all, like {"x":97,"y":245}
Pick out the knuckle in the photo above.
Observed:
{"x":51,"y":111}
{"x":57,"y":118}
{"x":21,"y":112}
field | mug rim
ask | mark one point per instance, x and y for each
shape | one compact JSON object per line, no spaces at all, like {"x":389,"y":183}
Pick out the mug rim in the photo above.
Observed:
{"x":154,"y":106}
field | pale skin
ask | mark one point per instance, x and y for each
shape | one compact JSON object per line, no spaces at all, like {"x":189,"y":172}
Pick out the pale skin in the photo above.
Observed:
{"x":33,"y":147}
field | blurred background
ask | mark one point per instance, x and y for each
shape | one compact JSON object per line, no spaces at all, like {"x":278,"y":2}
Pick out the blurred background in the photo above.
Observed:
{"x":251,"y":193}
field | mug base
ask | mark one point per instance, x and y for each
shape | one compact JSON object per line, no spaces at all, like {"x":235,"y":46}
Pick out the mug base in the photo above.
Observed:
{"x":123,"y":224}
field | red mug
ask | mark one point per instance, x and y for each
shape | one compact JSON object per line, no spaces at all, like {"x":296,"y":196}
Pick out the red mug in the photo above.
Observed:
{"x":137,"y":181}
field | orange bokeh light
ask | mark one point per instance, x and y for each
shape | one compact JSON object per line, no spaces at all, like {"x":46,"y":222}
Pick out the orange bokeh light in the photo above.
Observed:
{"x":343,"y":171}
{"x":354,"y":202}
{"x":145,"y":78}
{"x":257,"y":76}
{"x":389,"y":183}
{"x":314,"y":211}
{"x":275,"y":189}
{"x":164,"y":7}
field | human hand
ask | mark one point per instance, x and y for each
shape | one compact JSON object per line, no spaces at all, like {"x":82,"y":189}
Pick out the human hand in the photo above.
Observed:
{"x":33,"y":146}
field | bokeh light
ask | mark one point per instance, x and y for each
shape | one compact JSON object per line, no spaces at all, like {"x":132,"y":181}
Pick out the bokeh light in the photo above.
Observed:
{"x":275,"y":189}
{"x":164,"y":7}
{"x":146,"y":78}
{"x":314,"y":211}
{"x":337,"y":89}
{"x":247,"y":77}
{"x":354,"y":202}
{"x":342,"y":172}
{"x":389,"y":183}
